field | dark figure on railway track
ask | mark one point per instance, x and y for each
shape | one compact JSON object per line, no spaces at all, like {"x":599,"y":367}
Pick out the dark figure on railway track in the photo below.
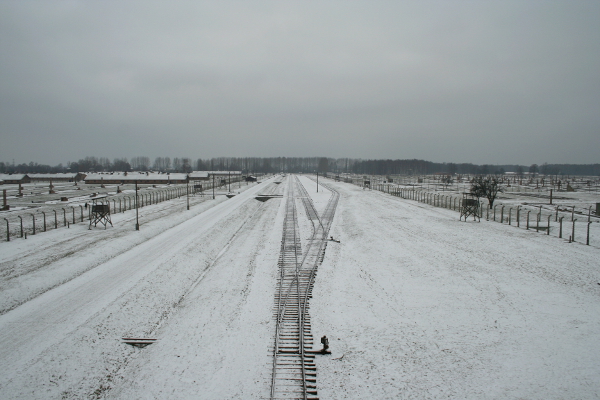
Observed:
{"x":325,"y":343}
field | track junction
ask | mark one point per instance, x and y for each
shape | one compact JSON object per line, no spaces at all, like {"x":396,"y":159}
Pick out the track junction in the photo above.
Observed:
{"x":294,"y":371}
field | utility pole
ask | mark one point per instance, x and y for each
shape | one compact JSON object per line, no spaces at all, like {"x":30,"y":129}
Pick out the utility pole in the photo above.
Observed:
{"x":187,"y":192}
{"x":137,"y":221}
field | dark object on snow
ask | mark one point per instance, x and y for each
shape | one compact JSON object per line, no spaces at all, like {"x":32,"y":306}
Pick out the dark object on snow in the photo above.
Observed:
{"x":325,"y":343}
{"x":333,"y":240}
{"x":138,"y":342}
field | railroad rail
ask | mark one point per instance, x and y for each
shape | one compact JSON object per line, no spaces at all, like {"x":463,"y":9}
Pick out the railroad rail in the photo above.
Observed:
{"x":294,"y":371}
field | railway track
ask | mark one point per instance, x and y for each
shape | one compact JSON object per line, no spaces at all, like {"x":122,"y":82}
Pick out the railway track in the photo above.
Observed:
{"x":294,"y":373}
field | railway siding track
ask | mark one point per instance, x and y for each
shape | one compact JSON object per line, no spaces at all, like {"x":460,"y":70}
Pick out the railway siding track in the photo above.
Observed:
{"x":294,"y":373}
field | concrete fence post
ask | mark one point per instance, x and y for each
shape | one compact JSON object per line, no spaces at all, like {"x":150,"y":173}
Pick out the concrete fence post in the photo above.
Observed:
{"x":528,"y":212}
{"x":44,"y":214}
{"x":587,"y":241}
{"x":33,"y":217}
{"x":55,"y":220}
{"x":560,"y":228}
{"x":573,"y":229}
{"x":21,"y":224}
{"x":7,"y":230}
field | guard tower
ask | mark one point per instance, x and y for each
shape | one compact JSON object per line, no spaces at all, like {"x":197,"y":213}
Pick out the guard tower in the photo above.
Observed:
{"x":469,"y":206}
{"x":100,"y":212}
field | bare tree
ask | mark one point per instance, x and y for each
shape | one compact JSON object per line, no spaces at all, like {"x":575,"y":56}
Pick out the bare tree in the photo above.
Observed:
{"x":177,"y":164}
{"x":186,"y":165}
{"x":533,"y":169}
{"x":487,"y":187}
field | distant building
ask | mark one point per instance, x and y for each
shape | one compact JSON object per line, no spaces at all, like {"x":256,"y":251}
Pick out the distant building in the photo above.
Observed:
{"x":199,"y":176}
{"x":71,"y":177}
{"x":121,"y":178}
{"x":15,"y":178}
{"x":224,"y":174}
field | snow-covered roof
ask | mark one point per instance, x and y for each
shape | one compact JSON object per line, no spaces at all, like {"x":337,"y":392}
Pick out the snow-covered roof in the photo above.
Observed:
{"x":12,"y":177}
{"x":54,"y":176}
{"x":136,"y":176}
{"x":223,"y":173}
{"x":199,"y":175}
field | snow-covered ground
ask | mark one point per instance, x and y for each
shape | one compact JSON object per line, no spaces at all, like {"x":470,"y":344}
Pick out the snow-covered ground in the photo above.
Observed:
{"x":420,"y":305}
{"x":416,"y":304}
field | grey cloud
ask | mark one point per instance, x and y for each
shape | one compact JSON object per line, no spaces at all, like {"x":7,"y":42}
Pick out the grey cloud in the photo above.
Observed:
{"x":483,"y":82}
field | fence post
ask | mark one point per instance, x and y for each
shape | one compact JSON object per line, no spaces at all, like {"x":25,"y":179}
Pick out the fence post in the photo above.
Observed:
{"x":21,"y":224}
{"x":81,"y":209}
{"x":560,"y":228}
{"x":33,"y":216}
{"x":573,"y":230}
{"x":548,"y":232}
{"x":64,"y":216}
{"x":518,"y":215}
{"x":55,"y":220}
{"x":7,"y":230}
{"x":73,"y":208}
{"x":495,"y":212}
{"x":510,"y":215}
{"x":588,"y":233}
{"x":529,"y":211}
{"x":44,"y":220}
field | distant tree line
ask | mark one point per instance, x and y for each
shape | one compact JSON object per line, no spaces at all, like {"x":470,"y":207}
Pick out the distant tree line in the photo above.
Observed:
{"x":296,"y":165}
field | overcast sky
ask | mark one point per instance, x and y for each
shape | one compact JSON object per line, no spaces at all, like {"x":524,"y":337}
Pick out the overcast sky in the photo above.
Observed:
{"x":448,"y":81}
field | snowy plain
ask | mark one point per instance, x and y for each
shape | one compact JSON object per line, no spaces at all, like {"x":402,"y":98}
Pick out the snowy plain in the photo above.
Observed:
{"x":417,"y":305}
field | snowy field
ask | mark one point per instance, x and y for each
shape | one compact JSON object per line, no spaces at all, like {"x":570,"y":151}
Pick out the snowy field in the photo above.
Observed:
{"x":416,"y":304}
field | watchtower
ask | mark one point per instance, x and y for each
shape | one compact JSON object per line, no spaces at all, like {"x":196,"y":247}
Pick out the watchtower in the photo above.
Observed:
{"x":100,"y":212}
{"x":469,"y":206}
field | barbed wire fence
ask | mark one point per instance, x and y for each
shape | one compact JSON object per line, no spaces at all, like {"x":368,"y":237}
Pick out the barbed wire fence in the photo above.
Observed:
{"x":572,"y":222}
{"x":20,"y":224}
